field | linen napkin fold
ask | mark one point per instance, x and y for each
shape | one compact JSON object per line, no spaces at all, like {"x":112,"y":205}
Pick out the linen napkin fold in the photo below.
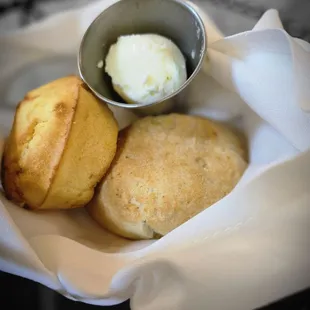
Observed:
{"x":271,"y":73}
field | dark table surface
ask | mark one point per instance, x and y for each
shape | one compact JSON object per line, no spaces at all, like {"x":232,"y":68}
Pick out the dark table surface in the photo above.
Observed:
{"x":20,"y":293}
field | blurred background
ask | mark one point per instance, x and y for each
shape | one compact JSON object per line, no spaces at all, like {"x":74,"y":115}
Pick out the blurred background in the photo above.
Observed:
{"x":231,"y":16}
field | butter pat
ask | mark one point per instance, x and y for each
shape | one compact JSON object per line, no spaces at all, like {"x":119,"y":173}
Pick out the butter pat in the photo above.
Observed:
{"x":145,"y":68}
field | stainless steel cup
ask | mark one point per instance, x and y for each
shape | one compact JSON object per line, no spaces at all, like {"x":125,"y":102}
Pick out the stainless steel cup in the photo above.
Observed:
{"x":174,"y":19}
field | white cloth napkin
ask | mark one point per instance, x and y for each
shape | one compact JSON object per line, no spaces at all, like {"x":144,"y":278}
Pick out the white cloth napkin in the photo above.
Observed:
{"x":250,"y":248}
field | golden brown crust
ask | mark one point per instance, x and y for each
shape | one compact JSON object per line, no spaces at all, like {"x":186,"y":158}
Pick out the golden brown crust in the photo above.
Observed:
{"x":39,"y":139}
{"x":167,"y":169}
{"x":89,"y":151}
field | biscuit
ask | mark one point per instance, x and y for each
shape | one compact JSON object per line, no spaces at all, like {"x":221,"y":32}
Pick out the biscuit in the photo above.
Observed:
{"x":167,"y":169}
